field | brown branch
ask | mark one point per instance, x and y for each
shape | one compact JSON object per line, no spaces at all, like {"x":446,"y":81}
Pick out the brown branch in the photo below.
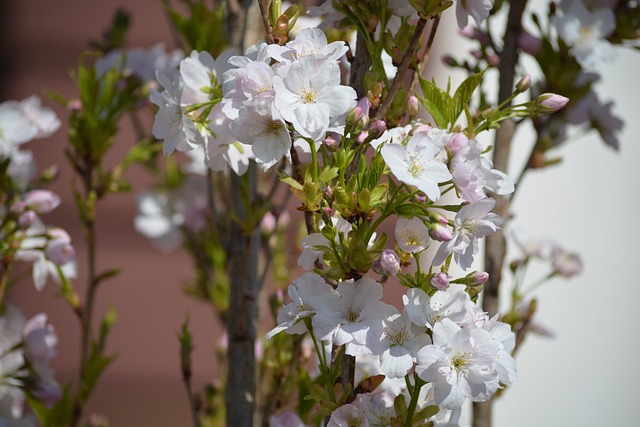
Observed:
{"x":359,"y":66}
{"x":422,"y":64}
{"x":495,"y":243}
{"x":404,"y":66}
{"x":268,"y":30}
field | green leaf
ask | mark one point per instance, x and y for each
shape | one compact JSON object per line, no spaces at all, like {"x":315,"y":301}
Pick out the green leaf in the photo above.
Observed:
{"x":290,"y":181}
{"x":463,"y":95}
{"x":437,"y":102}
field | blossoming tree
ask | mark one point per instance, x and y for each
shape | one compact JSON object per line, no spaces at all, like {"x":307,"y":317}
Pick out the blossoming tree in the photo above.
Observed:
{"x":328,"y":106}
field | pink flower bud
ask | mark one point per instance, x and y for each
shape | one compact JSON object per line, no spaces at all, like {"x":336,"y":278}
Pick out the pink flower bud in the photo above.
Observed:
{"x":413,"y":106}
{"x":529,"y":44}
{"x":548,"y":103}
{"x":524,"y":83}
{"x":440,"y":233}
{"x":389,"y":262}
{"x":268,"y":223}
{"x":27,"y":219}
{"x":331,"y":143}
{"x":354,"y":116}
{"x":363,"y":137}
{"x":493,"y":60}
{"x":328,"y":192}
{"x":41,"y":201}
{"x":440,"y":281}
{"x":480,"y":278}
{"x":457,"y":142}
{"x":59,"y":249}
{"x":74,"y":105}
{"x":376,"y":129}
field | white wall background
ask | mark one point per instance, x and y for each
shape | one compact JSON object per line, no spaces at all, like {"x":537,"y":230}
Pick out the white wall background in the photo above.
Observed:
{"x":589,"y":374}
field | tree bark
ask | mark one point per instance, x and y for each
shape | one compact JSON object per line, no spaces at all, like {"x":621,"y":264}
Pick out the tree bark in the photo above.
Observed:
{"x":495,"y":249}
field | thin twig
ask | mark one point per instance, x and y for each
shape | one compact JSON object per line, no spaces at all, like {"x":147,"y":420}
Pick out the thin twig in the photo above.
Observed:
{"x":424,"y":58}
{"x":404,"y":67}
{"x":265,"y":21}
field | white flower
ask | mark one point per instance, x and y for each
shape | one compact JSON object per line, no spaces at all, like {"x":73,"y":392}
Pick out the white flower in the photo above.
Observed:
{"x":472,"y":222}
{"x":412,"y":235}
{"x":262,"y":127}
{"x":33,"y":249}
{"x":44,"y":119}
{"x":352,"y":314}
{"x":171,"y":123}
{"x":286,"y":419}
{"x":399,"y":345}
{"x":415,"y":164}
{"x":592,"y":110}
{"x":504,"y":363}
{"x":349,"y":415}
{"x":301,"y":292}
{"x":392,"y":136}
{"x":459,"y":364}
{"x":472,"y":174}
{"x":309,"y":254}
{"x":309,"y":42}
{"x":202,"y":75}
{"x":309,"y":95}
{"x":15,"y":128}
{"x":586,"y":32}
{"x":425,"y":310}
{"x":477,"y":9}
{"x":539,"y":248}
{"x":221,"y":148}
{"x":157,"y":220}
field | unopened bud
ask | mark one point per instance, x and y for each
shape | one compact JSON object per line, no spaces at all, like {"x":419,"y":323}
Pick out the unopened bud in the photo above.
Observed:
{"x":59,"y":249}
{"x":480,"y":278}
{"x":331,"y":143}
{"x":42,"y":201}
{"x":493,"y":60}
{"x":457,"y":142}
{"x":328,"y":192}
{"x":74,"y":105}
{"x":389,"y":262}
{"x":440,"y":281}
{"x":376,"y":129}
{"x":27,"y":219}
{"x":354,"y":116}
{"x":440,"y":233}
{"x":548,"y":103}
{"x":413,"y":106}
{"x":524,"y":84}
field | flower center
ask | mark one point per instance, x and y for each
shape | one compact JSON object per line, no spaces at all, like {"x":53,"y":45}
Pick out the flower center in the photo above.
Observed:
{"x":416,"y":167}
{"x":308,"y":95}
{"x":351,"y":315}
{"x":459,"y":361}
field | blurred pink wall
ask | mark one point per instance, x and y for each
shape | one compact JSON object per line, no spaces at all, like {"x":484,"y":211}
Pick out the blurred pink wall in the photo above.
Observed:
{"x":143,"y":387}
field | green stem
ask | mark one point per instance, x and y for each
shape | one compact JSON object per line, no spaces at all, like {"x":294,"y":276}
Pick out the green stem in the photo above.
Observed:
{"x":414,"y":400}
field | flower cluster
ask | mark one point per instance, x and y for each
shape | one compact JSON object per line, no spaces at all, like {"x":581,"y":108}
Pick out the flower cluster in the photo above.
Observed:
{"x":26,"y":347}
{"x":240,"y":107}
{"x":443,"y":337}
